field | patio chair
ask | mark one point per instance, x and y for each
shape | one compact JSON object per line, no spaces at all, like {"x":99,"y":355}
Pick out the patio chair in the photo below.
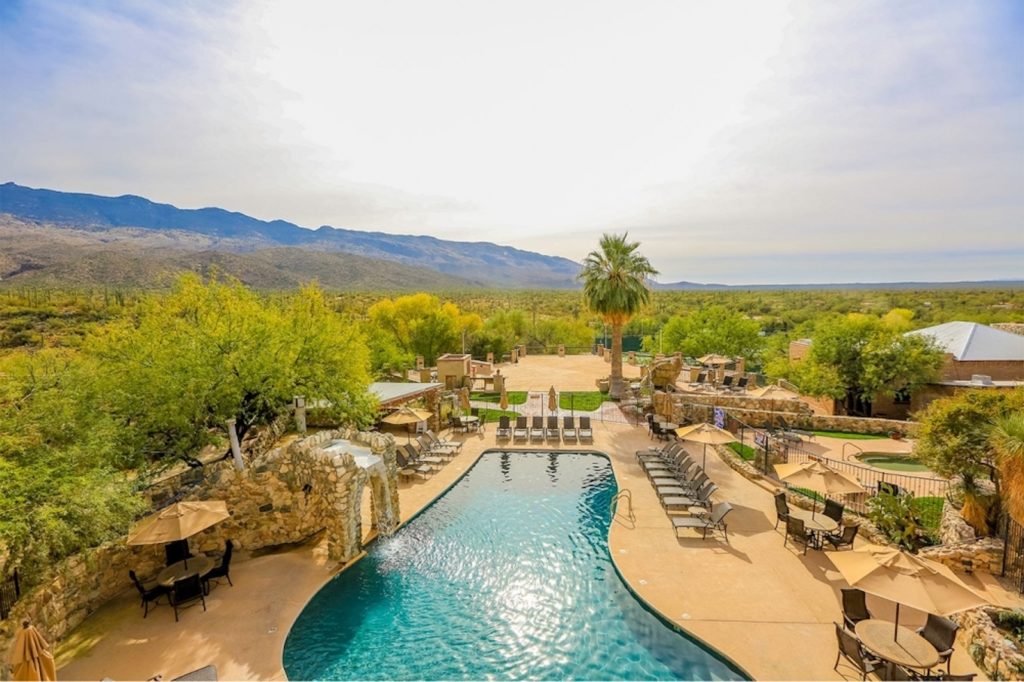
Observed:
{"x":428,"y":448}
{"x":680,"y":467}
{"x":941,"y":634}
{"x":443,"y":442}
{"x":650,"y":424}
{"x":222,"y":571}
{"x":781,"y":508}
{"x":961,"y":676}
{"x":702,"y":378}
{"x":417,"y":457}
{"x":855,"y":607}
{"x":407,"y":468}
{"x":186,"y":591}
{"x":659,"y":454}
{"x":850,"y":647}
{"x":726,"y":382}
{"x":844,"y":539}
{"x":504,"y":431}
{"x":149,"y":592}
{"x":834,"y":510}
{"x":537,"y":428}
{"x":700,"y":499}
{"x":207,"y":673}
{"x":796,"y":531}
{"x":712,"y":522}
{"x":568,"y":429}
{"x":679,"y":487}
{"x":177,"y":551}
{"x":741,"y":384}
{"x":520,"y":432}
{"x":586,"y":434}
{"x":552,"y":432}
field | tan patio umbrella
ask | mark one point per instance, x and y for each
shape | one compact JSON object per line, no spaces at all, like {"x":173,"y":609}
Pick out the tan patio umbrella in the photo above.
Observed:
{"x":552,"y":399}
{"x":405,"y":416}
{"x":30,"y":657}
{"x":180,"y":521}
{"x":819,"y":477}
{"x":708,"y":434}
{"x":714,"y":359}
{"x":774,"y":392}
{"x":905,"y":579}
{"x":464,"y":399}
{"x":503,"y":401}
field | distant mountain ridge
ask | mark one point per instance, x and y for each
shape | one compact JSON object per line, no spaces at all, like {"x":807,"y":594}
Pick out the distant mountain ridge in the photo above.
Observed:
{"x":482,"y":262}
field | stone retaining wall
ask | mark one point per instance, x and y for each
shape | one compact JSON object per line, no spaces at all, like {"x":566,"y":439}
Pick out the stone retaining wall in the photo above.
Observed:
{"x":985,"y":554}
{"x":283,"y":496}
{"x":996,"y":655}
{"x":953,"y":530}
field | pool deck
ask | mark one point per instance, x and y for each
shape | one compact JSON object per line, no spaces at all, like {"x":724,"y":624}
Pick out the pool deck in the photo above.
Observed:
{"x":765,"y":606}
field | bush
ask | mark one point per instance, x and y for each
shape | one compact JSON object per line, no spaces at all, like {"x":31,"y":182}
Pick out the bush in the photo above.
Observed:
{"x":898,"y":517}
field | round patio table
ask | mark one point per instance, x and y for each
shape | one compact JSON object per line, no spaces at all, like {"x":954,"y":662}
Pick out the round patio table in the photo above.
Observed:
{"x":817,"y":522}
{"x":906,"y":648}
{"x":200,"y":565}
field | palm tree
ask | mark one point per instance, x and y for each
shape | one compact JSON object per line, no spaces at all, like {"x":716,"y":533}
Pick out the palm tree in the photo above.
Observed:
{"x":615,"y":286}
{"x":1007,"y":439}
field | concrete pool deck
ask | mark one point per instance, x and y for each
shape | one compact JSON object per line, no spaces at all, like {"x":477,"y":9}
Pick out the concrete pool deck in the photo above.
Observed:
{"x":764,"y":606}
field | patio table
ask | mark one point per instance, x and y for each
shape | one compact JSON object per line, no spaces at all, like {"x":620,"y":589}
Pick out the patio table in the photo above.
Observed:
{"x":907,"y":648}
{"x":817,"y":523}
{"x":179,"y":570}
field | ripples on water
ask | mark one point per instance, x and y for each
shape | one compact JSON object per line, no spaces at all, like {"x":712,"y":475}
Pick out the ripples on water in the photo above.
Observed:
{"x":505,"y":577}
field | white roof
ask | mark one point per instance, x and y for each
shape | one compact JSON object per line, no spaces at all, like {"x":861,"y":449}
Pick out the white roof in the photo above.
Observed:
{"x":387,"y":392}
{"x":973,"y":341}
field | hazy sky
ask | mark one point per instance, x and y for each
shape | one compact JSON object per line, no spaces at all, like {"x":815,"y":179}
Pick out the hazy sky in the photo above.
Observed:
{"x":740,"y":142}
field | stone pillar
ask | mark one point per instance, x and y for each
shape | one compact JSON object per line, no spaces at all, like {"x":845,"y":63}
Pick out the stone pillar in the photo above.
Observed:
{"x":632,"y":357}
{"x":420,"y":364}
{"x":490,"y":358}
{"x":514,"y":356}
{"x":522,"y":350}
{"x":561,"y":350}
{"x":499,"y":381}
{"x":300,"y":413}
{"x":425,"y":376}
{"x":236,"y":450}
{"x":741,"y":365}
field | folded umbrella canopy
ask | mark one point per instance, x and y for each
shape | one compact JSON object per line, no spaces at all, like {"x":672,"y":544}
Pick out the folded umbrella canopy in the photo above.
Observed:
{"x":30,"y":657}
{"x":503,"y":401}
{"x":464,"y":399}
{"x":180,"y":521}
{"x":905,"y":579}
{"x":552,"y":399}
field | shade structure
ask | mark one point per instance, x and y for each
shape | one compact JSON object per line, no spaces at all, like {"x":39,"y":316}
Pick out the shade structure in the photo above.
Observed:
{"x":503,"y":400}
{"x":708,"y":434}
{"x":905,"y":579}
{"x":774,"y":392}
{"x":30,"y":656}
{"x":819,"y":477}
{"x":714,"y":359}
{"x":464,"y":399}
{"x":406,"y":415}
{"x":552,"y":399}
{"x":180,"y":521}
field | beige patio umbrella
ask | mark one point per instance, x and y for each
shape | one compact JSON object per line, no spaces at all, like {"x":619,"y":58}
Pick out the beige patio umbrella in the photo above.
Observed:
{"x":30,"y":656}
{"x":819,"y":477}
{"x":464,"y":399}
{"x":552,"y":399}
{"x":503,"y":401}
{"x":179,"y":521}
{"x":774,"y":392}
{"x":714,"y":359}
{"x":405,"y":416}
{"x":903,"y":578}
{"x":708,"y":434}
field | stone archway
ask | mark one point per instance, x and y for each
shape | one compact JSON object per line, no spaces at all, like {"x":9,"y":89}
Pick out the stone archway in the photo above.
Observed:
{"x":384,"y":511}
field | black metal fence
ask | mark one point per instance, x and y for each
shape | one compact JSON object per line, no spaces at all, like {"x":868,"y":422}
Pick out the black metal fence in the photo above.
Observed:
{"x":1013,"y":551}
{"x":10,"y":590}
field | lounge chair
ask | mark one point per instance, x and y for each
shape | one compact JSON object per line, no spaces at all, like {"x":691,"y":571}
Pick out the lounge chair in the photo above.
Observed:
{"x":855,"y":606}
{"x":941,"y":634}
{"x":407,"y":468}
{"x":850,"y":647}
{"x":586,"y":434}
{"x":428,"y":448}
{"x":537,"y":429}
{"x":504,"y":430}
{"x":726,"y":383}
{"x":521,"y":432}
{"x":781,"y":508}
{"x":844,"y":539}
{"x":205,"y":674}
{"x":701,"y":499}
{"x":186,"y":591}
{"x":443,"y":442}
{"x":222,"y":571}
{"x":711,"y":522}
{"x":417,"y":457}
{"x":150,"y":592}
{"x":569,"y":429}
{"x":797,"y":531}
{"x":834,"y":510}
{"x":679,"y":466}
{"x":659,"y":454}
{"x":658,"y":431}
{"x":552,"y":432}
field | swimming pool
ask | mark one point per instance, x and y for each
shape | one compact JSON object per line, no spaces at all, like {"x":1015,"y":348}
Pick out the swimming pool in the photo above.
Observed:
{"x":507,"y":576}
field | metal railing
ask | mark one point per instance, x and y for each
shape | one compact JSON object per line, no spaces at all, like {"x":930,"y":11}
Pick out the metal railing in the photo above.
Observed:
{"x":10,"y":591}
{"x":626,"y":495}
{"x":1013,"y":551}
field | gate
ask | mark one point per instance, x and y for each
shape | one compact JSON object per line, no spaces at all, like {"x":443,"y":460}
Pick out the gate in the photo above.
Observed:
{"x":1013,"y":552}
{"x":10,"y":590}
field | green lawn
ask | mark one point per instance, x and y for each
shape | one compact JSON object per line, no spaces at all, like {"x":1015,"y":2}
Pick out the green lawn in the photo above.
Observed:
{"x":514,"y":397}
{"x":491,"y":416}
{"x":585,"y":401}
{"x":744,"y":451}
{"x":848,"y":436}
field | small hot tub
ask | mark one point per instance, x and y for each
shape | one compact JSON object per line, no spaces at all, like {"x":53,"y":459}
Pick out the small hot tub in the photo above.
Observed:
{"x":894,"y":462}
{"x":363,"y":456}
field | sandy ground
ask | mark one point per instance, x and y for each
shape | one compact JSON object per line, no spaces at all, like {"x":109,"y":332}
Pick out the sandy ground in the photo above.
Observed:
{"x":766,"y":606}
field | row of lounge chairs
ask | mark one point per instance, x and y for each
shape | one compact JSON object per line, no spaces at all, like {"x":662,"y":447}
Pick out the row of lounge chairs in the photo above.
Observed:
{"x":705,"y":381}
{"x":428,"y":455}
{"x":537,"y":431}
{"x":683,"y":486}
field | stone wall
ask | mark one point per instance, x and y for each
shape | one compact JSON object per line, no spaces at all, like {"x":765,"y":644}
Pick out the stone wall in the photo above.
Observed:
{"x":996,"y":655}
{"x":953,"y":530}
{"x":284,"y":495}
{"x":985,"y":554}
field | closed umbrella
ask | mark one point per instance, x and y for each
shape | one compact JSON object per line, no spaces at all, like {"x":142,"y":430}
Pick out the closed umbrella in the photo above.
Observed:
{"x":464,"y":399}
{"x":552,"y":399}
{"x":503,"y":401}
{"x":179,"y":521}
{"x":708,"y":434}
{"x":30,"y":657}
{"x":819,"y":477}
{"x":905,"y":579}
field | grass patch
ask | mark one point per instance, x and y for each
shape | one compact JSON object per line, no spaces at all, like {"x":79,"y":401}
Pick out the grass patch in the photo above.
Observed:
{"x":491,"y":416}
{"x":514,"y":397}
{"x":585,"y":401}
{"x":929,"y":510}
{"x":817,"y":497}
{"x":744,"y":451}
{"x":849,"y":435}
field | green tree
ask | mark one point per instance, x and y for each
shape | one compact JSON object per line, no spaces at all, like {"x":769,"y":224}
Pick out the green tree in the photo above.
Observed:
{"x":1007,"y":438}
{"x":714,"y":329}
{"x":420,"y":324}
{"x":615,"y":287}
{"x":856,"y":357}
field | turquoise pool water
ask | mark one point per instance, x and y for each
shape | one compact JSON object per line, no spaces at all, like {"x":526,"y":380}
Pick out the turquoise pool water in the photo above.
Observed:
{"x":507,"y":576}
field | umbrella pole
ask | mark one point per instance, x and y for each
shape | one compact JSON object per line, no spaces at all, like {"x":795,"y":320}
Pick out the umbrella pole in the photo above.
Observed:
{"x":896,"y":627}
{"x":705,"y":464}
